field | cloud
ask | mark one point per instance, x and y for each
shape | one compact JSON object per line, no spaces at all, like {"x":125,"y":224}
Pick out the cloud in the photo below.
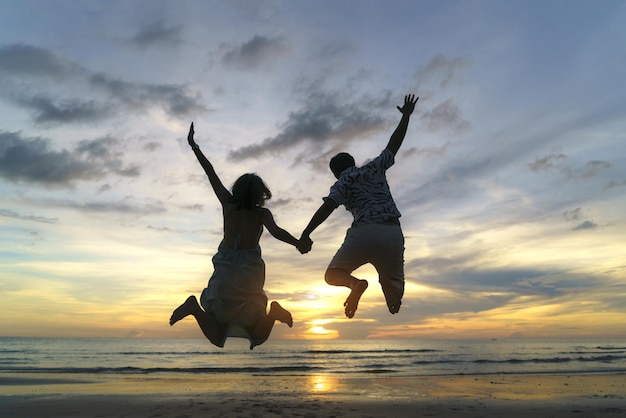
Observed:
{"x":575,"y":216}
{"x":11,"y":214}
{"x":592,"y":168}
{"x":33,"y":61}
{"x":462,"y":274}
{"x":157,"y":34}
{"x":281,"y":202}
{"x":31,"y":160}
{"x":152,"y":146}
{"x":445,"y":115}
{"x":127,"y":205}
{"x":256,"y":52}
{"x":196,"y":207}
{"x":585,"y":225}
{"x":300,"y":296}
{"x":614,"y":183}
{"x":323,"y":118}
{"x":427,"y":151}
{"x":549,"y":162}
{"x":557,"y":161}
{"x":441,"y":70}
{"x":28,"y":85}
{"x":173,"y":99}
{"x":65,"y":110}
{"x":135,"y":333}
{"x":572,"y":215}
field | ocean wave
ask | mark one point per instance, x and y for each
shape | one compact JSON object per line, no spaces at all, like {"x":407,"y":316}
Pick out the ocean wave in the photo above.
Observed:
{"x":154,"y":370}
{"x":382,"y":351}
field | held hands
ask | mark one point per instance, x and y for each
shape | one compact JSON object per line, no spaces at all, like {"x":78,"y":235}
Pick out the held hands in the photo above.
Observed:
{"x":409,"y":104}
{"x":304,"y":245}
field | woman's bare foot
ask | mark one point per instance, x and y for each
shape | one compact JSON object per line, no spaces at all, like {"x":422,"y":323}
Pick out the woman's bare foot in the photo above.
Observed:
{"x":187,"y":308}
{"x":280,"y":313}
{"x":352,"y":303}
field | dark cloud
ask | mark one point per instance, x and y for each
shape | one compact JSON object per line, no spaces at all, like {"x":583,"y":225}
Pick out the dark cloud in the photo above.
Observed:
{"x":281,"y":202}
{"x":157,"y":34}
{"x":33,"y":61}
{"x":446,"y":115}
{"x":331,"y":118}
{"x":197,"y":207}
{"x":48,"y":110}
{"x":585,"y":225}
{"x":461,"y":274}
{"x":576,"y":215}
{"x":592,"y":168}
{"x":572,"y":215}
{"x":173,"y":99}
{"x":324,"y":118}
{"x":548,"y":162}
{"x":126,"y":206}
{"x":333,"y":49}
{"x":11,"y":214}
{"x":106,"y":153}
{"x":62,"y":102}
{"x":32,"y":160}
{"x":614,"y":183}
{"x":427,"y":151}
{"x":151,"y":146}
{"x":256,"y":52}
{"x":440,"y":70}
{"x":451,"y":182}
{"x":558,"y":162}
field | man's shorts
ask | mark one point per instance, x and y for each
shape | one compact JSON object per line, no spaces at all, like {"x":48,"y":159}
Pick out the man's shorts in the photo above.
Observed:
{"x":381,"y":245}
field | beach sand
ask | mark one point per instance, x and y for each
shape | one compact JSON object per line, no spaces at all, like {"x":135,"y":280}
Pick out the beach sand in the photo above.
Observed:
{"x":236,"y":395}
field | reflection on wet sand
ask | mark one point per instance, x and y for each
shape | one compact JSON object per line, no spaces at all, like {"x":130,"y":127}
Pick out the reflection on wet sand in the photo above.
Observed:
{"x":322,"y":383}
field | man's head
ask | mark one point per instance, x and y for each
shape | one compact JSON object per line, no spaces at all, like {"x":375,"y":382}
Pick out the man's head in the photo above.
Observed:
{"x":340,"y":162}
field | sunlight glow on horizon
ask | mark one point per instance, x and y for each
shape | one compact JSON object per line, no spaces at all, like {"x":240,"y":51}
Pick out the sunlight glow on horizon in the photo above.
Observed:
{"x":510,"y":179}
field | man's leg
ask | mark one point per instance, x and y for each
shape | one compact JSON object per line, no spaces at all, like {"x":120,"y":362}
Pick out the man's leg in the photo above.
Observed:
{"x":393,"y":290}
{"x":389,"y":263}
{"x":340,"y":277}
{"x":211,"y":329}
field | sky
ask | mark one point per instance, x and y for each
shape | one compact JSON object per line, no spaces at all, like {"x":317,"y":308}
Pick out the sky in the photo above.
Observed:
{"x":511,"y":180}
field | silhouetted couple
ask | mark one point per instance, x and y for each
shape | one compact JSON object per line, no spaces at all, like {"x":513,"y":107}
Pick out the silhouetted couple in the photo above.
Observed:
{"x":234,"y":302}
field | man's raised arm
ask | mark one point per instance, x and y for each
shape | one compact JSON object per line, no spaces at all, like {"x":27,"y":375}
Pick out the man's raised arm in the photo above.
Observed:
{"x":398,"y":135}
{"x":318,"y":218}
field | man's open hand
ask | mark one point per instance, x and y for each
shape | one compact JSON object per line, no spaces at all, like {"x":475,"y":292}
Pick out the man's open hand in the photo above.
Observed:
{"x":409,"y":104}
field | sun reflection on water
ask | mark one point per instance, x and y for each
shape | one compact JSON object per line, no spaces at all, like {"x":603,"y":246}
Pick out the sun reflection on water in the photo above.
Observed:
{"x":321,"y":383}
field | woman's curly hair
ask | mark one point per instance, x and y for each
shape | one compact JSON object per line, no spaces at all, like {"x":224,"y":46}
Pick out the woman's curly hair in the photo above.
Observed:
{"x":249,"y":192}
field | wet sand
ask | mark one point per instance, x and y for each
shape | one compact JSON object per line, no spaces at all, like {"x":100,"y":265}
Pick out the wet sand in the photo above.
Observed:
{"x":235,"y":395}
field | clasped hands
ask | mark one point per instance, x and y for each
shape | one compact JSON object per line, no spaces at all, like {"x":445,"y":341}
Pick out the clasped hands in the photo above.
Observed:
{"x":304,"y":244}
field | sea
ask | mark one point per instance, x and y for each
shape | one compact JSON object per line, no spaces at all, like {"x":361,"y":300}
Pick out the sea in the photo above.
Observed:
{"x":303,"y":357}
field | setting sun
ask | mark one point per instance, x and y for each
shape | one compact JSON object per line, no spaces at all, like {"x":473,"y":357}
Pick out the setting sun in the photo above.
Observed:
{"x":321,"y":333}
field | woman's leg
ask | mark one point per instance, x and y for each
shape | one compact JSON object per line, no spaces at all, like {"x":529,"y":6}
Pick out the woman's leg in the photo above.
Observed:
{"x":263,"y":327}
{"x":211,"y":329}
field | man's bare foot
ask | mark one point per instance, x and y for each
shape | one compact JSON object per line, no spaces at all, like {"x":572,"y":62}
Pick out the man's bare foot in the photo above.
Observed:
{"x":352,"y":303}
{"x":187,"y":308}
{"x":394,"y":307}
{"x":280,"y":313}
